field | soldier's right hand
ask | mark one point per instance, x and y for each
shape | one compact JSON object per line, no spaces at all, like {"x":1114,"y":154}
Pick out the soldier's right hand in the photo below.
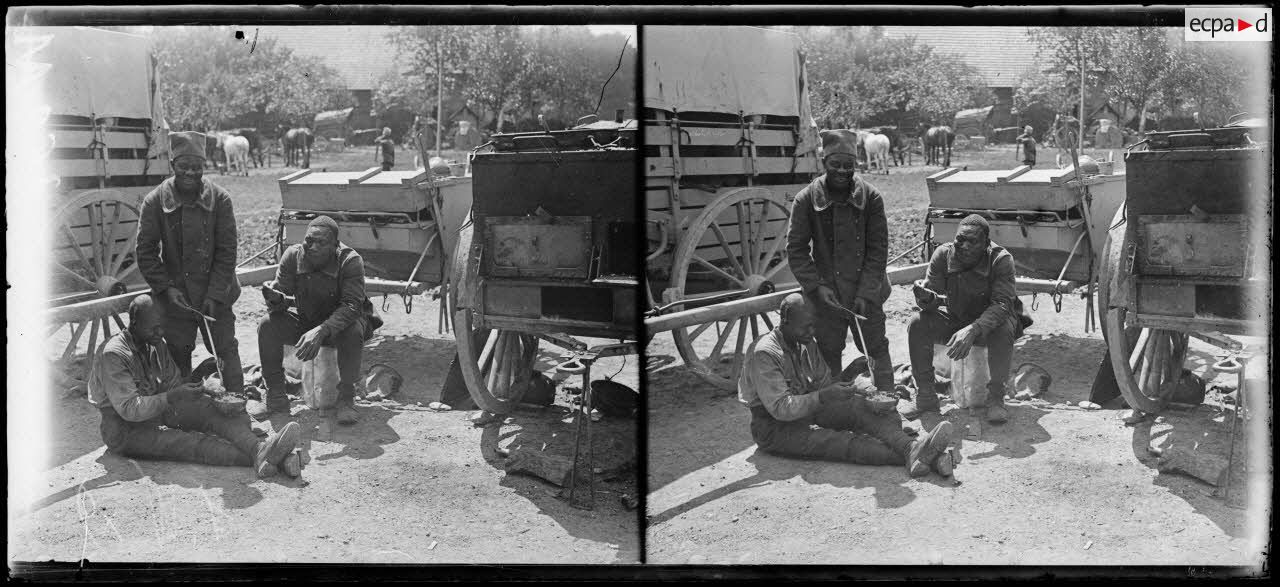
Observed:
{"x":176,"y":298}
{"x":827,"y":296}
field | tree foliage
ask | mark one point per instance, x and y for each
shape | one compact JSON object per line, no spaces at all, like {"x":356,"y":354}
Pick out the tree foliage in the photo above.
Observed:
{"x":858,"y":77}
{"x":211,"y":80}
{"x":1151,"y":72}
{"x":515,"y":73}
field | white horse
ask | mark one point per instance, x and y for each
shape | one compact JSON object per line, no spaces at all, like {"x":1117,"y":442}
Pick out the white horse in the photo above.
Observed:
{"x":236,"y":149}
{"x":877,"y":146}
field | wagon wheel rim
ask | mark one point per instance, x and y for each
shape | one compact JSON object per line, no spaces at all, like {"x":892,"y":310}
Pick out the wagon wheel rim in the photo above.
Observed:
{"x":712,"y":245}
{"x":1147,"y":362}
{"x":93,"y":239}
{"x":497,"y":364}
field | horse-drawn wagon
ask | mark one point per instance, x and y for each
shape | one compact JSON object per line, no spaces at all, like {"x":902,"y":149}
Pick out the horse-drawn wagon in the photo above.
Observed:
{"x":729,"y":142}
{"x":109,"y":148}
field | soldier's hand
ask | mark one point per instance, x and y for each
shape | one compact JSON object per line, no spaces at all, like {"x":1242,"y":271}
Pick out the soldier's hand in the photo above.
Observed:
{"x":862,"y":307}
{"x":827,"y":296}
{"x":960,"y":343}
{"x":211,"y":307}
{"x":309,"y":345}
{"x":176,"y":298}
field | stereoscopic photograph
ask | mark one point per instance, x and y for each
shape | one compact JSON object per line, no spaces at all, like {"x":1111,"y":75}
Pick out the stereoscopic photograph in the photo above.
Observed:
{"x":337,"y":294}
{"x":638,"y":292}
{"x":956,"y":295}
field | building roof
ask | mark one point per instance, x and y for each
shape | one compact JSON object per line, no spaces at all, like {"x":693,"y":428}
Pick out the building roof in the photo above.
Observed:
{"x":360,"y":54}
{"x":1002,"y":55}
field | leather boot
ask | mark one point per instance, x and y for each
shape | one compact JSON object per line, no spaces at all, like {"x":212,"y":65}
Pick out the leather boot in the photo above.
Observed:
{"x":926,"y":400}
{"x":346,"y":412}
{"x":272,"y":451}
{"x":925,"y":450}
{"x":996,"y":412}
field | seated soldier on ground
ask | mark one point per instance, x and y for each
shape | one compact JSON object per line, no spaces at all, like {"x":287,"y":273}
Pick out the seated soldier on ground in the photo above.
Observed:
{"x":788,"y":387}
{"x":137,"y":387}
{"x":976,"y":276}
{"x":325,"y":280}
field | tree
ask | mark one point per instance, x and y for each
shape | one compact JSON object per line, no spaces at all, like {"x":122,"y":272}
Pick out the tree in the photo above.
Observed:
{"x":1209,"y":79}
{"x":1079,"y":55}
{"x":857,"y":76}
{"x":1138,"y":65}
{"x":211,"y":80}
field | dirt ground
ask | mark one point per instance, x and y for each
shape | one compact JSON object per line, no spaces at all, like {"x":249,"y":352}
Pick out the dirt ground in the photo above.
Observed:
{"x":1056,"y":485}
{"x":404,"y":485}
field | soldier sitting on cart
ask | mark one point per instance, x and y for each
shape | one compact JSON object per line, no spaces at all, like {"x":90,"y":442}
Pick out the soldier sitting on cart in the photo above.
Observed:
{"x":138,"y":388}
{"x":977,"y":278}
{"x":187,"y":253}
{"x":838,"y":246}
{"x":324,"y":279}
{"x":788,"y":387}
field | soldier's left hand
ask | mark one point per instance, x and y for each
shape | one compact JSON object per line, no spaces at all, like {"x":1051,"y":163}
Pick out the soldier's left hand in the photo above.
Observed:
{"x":861,"y":307}
{"x":210,"y":307}
{"x":309,"y":345}
{"x":960,"y":343}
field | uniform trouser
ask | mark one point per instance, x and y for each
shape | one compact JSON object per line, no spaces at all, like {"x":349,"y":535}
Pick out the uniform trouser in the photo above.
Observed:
{"x":387,"y":165}
{"x":181,"y":333}
{"x":195,"y":431}
{"x":831,"y":441}
{"x":285,"y":328}
{"x":830,"y":330}
{"x":932,"y":327}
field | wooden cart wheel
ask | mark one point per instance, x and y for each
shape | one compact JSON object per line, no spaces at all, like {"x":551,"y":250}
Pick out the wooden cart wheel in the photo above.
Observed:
{"x":1147,"y":361}
{"x":93,"y":241}
{"x":747,"y":252}
{"x":497,"y":365}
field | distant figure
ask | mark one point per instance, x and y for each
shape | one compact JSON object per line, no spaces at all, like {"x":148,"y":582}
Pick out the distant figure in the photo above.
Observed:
{"x":1027,"y":142}
{"x":1109,"y":138}
{"x":385,"y":147}
{"x":466,"y":138}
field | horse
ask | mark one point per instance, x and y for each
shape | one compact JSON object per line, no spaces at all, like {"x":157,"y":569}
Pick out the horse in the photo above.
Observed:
{"x":877,"y":146}
{"x":937,"y":145}
{"x":257,"y":145}
{"x":295,"y":143}
{"x":899,"y":144}
{"x":236,"y":149}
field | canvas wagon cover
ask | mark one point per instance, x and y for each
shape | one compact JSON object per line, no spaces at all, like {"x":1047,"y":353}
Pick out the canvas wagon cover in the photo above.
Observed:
{"x":728,"y":69}
{"x":722,"y":69}
{"x":98,"y":73}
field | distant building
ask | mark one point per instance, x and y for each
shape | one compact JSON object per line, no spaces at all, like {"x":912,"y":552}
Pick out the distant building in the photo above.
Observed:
{"x":361,"y":55}
{"x":1002,"y":56}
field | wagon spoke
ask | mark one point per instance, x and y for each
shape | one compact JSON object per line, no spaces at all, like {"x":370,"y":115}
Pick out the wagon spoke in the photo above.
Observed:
{"x":717,"y":270}
{"x":93,"y":336}
{"x":1135,"y":358}
{"x":72,"y":273}
{"x":1148,"y":357}
{"x":767,"y":322}
{"x":714,"y":357}
{"x":75,"y":246}
{"x":778,"y":241}
{"x":110,"y":248}
{"x":95,"y":237}
{"x":486,"y":354}
{"x":119,"y":322}
{"x":728,"y":252}
{"x":699,"y":330}
{"x":106,"y":329}
{"x":124,"y":253}
{"x":744,"y":229}
{"x":738,"y":352}
{"x":76,"y":333}
{"x":761,"y":229}
{"x":755,"y":328}
{"x":499,"y":358}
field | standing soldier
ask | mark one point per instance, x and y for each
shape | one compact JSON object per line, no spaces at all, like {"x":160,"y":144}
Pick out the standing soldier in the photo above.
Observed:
{"x":1027,"y":142}
{"x":386,"y":148}
{"x":187,"y":253}
{"x":838,"y":246}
